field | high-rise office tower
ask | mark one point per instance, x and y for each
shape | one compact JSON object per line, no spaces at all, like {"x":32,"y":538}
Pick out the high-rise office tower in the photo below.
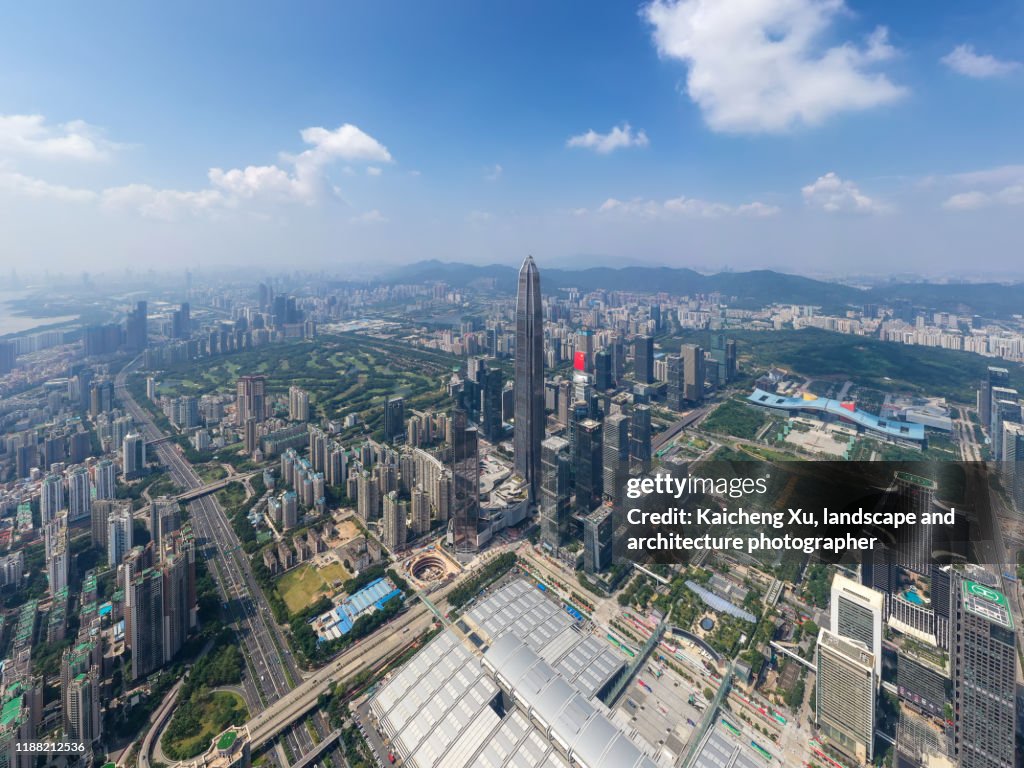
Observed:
{"x":394,"y":417}
{"x":393,"y":529}
{"x":640,"y":437}
{"x":1006,"y":408}
{"x":106,"y":479}
{"x":994,"y":377}
{"x":655,"y":313}
{"x":915,"y":494}
{"x":984,"y":673}
{"x":181,"y":322}
{"x":1013,"y":462}
{"x":298,"y":404}
{"x":51,"y":497}
{"x":529,"y":378}
{"x":856,"y":614}
{"x":136,"y":328}
{"x":598,"y":530}
{"x":144,"y":621}
{"x":643,"y":359}
{"x":588,"y":466}
{"x":615,"y":456}
{"x":133,"y":455}
{"x":723,"y":351}
{"x":251,"y":399}
{"x":491,"y":385}
{"x":693,"y":373}
{"x":617,"y":350}
{"x":79,"y":494}
{"x":555,"y":492}
{"x":119,"y":535}
{"x":675,"y":391}
{"x":465,"y":505}
{"x":845,"y":695}
{"x":603,"y":371}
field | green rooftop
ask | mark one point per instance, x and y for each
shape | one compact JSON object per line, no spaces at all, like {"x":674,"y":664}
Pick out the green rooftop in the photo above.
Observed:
{"x":11,"y":711}
{"x":987,"y":603}
{"x":226,"y":740}
{"x":923,"y":482}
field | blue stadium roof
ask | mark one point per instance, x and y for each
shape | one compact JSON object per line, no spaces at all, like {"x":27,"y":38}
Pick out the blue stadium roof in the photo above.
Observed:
{"x":896,"y":429}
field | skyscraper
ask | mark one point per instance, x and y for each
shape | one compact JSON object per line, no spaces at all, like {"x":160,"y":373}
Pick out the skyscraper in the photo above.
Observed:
{"x":136,"y":328}
{"x":490,"y":414}
{"x":555,"y":491}
{"x":587,"y":464}
{"x":395,"y":512}
{"x":144,"y":621}
{"x":598,"y":530}
{"x":465,"y":483}
{"x":79,"y":496}
{"x":394,"y":417}
{"x":298,"y":404}
{"x":856,"y":613}
{"x":106,"y":479}
{"x":133,"y":455}
{"x":616,"y":455}
{"x":640,"y":437}
{"x":51,"y":497}
{"x":529,"y":378}
{"x":845,"y":695}
{"x":251,"y":399}
{"x":984,"y":671}
{"x":119,"y":535}
{"x":643,"y":359}
{"x":693,"y":373}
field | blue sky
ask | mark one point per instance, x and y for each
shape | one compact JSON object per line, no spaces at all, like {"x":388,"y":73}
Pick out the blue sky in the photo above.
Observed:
{"x":802,"y":135}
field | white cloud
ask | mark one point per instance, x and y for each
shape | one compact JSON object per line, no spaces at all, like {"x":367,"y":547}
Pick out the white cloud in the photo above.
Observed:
{"x":967,"y":201}
{"x":30,"y":135}
{"x":619,"y":137}
{"x":494,"y":173}
{"x":835,"y":195}
{"x":25,"y":186}
{"x":1002,"y":185}
{"x":758,"y":66}
{"x":965,"y":61}
{"x":686,"y":207}
{"x":373,"y":170}
{"x":166,"y":204}
{"x":370,"y":217}
{"x":479,"y":217}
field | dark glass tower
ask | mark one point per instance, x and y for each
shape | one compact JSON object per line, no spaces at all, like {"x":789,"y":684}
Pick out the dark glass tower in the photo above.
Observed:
{"x":465,"y":483}
{"x":529,"y":378}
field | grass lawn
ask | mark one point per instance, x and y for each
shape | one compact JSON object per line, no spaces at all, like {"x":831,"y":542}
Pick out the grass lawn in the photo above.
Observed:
{"x":216,"y":712}
{"x":301,"y":586}
{"x":334,"y":572}
{"x":211,"y":473}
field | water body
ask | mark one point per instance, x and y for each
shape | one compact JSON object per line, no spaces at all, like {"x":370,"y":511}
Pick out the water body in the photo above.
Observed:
{"x":12,"y":323}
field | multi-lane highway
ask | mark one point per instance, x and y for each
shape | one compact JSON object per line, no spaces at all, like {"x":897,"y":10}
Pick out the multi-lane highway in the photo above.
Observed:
{"x":272,"y":670}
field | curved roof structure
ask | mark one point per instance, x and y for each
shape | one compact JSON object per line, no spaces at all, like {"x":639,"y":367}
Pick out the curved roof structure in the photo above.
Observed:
{"x":899,"y":430}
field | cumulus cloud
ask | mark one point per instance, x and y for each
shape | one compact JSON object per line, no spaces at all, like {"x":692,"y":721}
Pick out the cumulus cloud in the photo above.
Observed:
{"x":494,"y":173}
{"x":965,"y":60}
{"x":759,"y":66}
{"x":20,"y":185}
{"x":32,"y":136}
{"x":683,"y":207}
{"x":1002,"y":185}
{"x":619,"y":137}
{"x":836,"y":195}
{"x":301,"y":178}
{"x":373,"y":170}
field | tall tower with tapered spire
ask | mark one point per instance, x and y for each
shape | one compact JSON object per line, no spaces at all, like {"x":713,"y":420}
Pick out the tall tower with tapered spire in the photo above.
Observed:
{"x":529,"y":378}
